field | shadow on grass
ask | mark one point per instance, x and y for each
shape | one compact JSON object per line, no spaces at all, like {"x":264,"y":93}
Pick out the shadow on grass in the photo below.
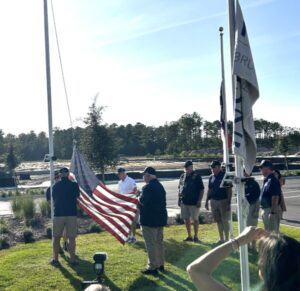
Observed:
{"x":177,"y":254}
{"x":85,"y":271}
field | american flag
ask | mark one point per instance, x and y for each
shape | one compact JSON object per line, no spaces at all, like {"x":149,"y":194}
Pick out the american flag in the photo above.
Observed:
{"x":114,"y":212}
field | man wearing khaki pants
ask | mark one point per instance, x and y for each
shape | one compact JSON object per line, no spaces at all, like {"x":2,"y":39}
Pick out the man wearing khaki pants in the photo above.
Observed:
{"x":153,"y":218}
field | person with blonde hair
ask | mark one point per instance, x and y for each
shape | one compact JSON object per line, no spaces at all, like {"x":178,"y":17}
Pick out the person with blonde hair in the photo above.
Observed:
{"x":278,"y":263}
{"x":97,"y":287}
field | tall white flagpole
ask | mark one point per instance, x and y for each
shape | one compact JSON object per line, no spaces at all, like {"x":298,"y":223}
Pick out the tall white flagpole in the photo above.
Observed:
{"x":225,"y":144}
{"x":224,"y":115}
{"x":240,"y":189}
{"x":50,"y":127}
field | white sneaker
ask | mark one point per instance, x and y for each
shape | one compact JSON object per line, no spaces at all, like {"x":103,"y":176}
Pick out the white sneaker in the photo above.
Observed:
{"x":129,"y":239}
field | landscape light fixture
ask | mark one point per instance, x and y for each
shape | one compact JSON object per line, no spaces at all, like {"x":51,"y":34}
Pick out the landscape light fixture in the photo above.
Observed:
{"x":99,"y":258}
{"x":98,"y":267}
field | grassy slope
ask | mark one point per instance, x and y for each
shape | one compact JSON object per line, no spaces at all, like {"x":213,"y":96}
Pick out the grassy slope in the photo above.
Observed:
{"x":26,"y":267}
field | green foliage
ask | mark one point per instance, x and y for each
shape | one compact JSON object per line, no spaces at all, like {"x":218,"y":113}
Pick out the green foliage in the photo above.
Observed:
{"x":3,"y":194}
{"x":178,"y":219}
{"x":16,"y":206}
{"x":34,"y":222}
{"x":45,"y":208}
{"x":11,"y":160}
{"x":49,"y":232}
{"x":95,"y":228}
{"x":28,"y":207}
{"x":3,"y":227}
{"x":234,"y":216}
{"x":28,"y":235}
{"x":4,"y":243}
{"x":202,"y":219}
{"x":23,"y":206}
{"x":97,"y":142}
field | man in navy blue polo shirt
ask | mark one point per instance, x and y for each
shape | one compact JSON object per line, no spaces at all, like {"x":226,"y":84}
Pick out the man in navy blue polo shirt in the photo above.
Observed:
{"x":64,"y":194}
{"x":190,"y":191}
{"x":270,"y":197}
{"x":220,"y":200}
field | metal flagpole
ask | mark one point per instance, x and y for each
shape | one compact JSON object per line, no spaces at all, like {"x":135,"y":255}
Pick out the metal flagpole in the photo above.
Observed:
{"x":50,"y":129}
{"x":225,"y":145}
{"x":225,"y":139}
{"x":240,"y":189}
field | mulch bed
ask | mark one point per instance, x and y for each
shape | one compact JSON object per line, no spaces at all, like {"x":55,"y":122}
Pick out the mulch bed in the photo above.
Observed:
{"x":16,"y":227}
{"x":39,"y":225}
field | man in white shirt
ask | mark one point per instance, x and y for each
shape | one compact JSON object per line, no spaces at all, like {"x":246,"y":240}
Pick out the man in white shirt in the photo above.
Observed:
{"x":127,"y":185}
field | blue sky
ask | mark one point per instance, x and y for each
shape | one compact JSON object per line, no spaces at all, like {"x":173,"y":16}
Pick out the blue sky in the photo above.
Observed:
{"x":150,"y":61}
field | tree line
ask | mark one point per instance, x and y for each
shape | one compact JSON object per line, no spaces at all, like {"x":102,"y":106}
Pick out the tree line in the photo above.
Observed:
{"x":190,"y":135}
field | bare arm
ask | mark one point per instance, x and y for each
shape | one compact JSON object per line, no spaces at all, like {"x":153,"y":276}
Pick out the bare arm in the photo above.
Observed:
{"x":200,"y":270}
{"x":207,"y":199}
{"x":200,"y":198}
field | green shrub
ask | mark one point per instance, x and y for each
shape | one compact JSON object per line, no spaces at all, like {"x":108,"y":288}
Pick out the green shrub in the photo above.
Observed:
{"x":178,"y":219}
{"x":202,"y":219}
{"x":49,"y":232}
{"x":80,"y":212}
{"x":95,"y":228}
{"x":3,"y":228}
{"x":18,"y":193}
{"x":34,"y":222}
{"x":16,"y":206}
{"x":4,"y":244}
{"x":45,"y":208}
{"x":10,"y":193}
{"x":28,"y":236}
{"x":234,"y":216}
{"x":28,"y":207}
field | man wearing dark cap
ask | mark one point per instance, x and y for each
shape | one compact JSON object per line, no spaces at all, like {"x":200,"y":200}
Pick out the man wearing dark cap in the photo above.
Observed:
{"x":48,"y":197}
{"x":220,"y":200}
{"x":270,"y":197}
{"x":153,"y":218}
{"x":64,"y":194}
{"x":127,"y":185}
{"x":190,"y":191}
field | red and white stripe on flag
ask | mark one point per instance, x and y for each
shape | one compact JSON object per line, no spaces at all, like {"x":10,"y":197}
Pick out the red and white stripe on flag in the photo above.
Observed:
{"x":112,"y":211}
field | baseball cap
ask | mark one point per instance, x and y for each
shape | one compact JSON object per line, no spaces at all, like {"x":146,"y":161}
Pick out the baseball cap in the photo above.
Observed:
{"x":64,"y":170}
{"x":121,"y":170}
{"x":188,"y":163}
{"x":266,"y":164}
{"x":215,"y":163}
{"x":149,"y":170}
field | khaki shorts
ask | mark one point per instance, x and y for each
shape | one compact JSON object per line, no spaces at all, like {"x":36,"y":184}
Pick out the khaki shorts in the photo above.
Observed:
{"x":219,"y":209}
{"x":270,"y":223}
{"x":68,"y":222}
{"x":190,"y":211}
{"x":252,"y":218}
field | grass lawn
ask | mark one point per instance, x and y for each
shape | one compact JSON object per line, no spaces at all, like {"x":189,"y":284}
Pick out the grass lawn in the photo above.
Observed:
{"x":26,"y":267}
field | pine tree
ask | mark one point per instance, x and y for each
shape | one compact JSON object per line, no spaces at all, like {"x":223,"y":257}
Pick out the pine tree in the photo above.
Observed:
{"x":11,"y":159}
{"x":97,"y":143}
